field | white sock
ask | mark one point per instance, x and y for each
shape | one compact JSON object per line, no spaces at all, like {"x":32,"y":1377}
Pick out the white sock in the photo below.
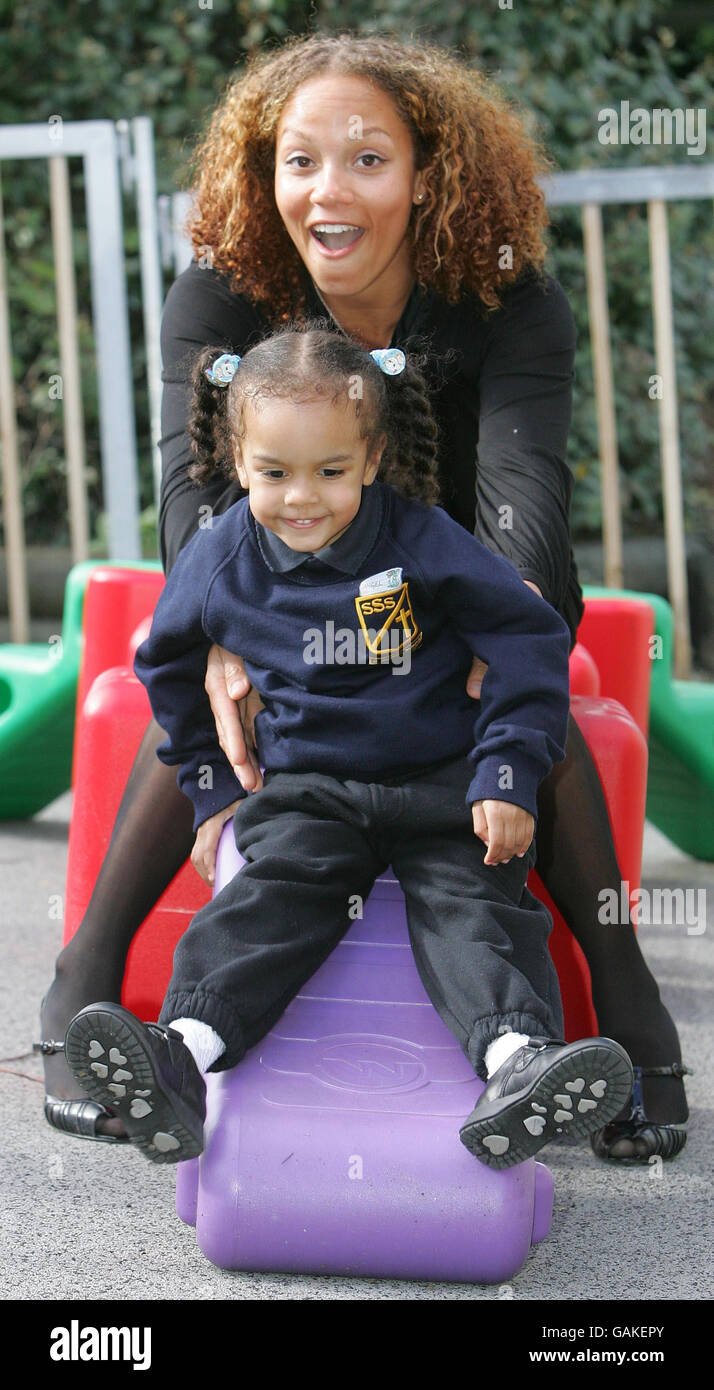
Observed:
{"x":501,"y":1049}
{"x":201,"y":1040}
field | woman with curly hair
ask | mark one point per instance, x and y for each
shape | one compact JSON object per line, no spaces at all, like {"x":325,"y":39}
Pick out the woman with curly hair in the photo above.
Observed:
{"x":393,"y":188}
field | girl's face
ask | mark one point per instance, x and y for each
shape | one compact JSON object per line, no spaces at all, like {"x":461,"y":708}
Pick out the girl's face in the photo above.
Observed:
{"x":345,"y":184}
{"x":304,"y":465}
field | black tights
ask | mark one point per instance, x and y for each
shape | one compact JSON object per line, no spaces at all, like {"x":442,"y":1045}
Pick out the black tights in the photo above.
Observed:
{"x":153,"y":837}
{"x":576,"y":860}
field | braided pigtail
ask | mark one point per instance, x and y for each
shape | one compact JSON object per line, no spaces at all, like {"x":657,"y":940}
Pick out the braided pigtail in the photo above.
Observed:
{"x":410,"y":460}
{"x":208,"y":426}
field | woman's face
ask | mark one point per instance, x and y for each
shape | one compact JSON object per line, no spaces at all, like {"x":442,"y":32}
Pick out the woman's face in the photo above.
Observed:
{"x":345,"y":184}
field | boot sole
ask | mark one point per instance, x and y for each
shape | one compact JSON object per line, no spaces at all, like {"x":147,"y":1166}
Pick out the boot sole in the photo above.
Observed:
{"x":578,"y":1094}
{"x":108,"y":1054}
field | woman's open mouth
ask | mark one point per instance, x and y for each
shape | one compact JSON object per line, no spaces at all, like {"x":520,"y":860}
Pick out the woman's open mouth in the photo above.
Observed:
{"x":335,"y":237}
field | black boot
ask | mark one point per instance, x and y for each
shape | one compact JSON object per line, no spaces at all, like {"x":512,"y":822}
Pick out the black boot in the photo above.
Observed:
{"x":546,"y":1088}
{"x":146,"y":1074}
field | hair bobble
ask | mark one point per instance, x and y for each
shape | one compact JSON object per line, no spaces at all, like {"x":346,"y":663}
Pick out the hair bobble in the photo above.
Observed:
{"x":391,"y":360}
{"x":223,"y":370}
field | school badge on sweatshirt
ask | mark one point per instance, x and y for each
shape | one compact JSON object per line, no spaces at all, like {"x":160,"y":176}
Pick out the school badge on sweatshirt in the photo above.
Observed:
{"x":385,"y":612}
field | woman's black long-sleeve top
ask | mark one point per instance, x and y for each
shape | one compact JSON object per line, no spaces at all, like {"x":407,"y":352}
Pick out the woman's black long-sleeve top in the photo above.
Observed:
{"x":501,"y":394}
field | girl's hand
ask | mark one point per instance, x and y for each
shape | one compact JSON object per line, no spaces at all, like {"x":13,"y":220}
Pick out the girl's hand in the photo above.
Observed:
{"x":227,"y":686}
{"x":504,"y":828}
{"x":203,"y":854}
{"x":479,"y":668}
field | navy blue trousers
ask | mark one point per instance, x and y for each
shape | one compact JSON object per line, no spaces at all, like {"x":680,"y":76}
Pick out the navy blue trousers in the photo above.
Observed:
{"x":311,"y":843}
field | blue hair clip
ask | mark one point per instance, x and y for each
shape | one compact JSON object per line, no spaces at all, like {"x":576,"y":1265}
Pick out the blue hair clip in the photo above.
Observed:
{"x":391,"y":360}
{"x":223,"y":370}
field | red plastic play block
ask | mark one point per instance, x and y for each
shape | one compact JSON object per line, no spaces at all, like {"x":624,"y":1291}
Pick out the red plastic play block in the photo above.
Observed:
{"x":116,"y":601}
{"x":617,"y":633}
{"x":113,"y":712}
{"x":109,"y":731}
{"x":619,"y":751}
{"x":584,"y":675}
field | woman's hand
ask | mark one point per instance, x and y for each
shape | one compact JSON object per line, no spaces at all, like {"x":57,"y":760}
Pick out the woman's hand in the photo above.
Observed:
{"x":235,"y":704}
{"x":203,"y":854}
{"x":475,"y":677}
{"x":504,"y":828}
{"x":479,"y":668}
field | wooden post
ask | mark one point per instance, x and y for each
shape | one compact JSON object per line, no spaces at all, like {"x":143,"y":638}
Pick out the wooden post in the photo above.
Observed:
{"x":17,"y":591}
{"x":669,"y":435}
{"x":604,"y":395}
{"x":73,"y":417}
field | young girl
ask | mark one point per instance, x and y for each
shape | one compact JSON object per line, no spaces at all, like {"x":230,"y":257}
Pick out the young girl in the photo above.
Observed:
{"x":357,"y":605}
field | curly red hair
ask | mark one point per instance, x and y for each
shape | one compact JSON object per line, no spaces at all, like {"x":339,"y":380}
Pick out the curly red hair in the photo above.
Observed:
{"x":479,"y":168}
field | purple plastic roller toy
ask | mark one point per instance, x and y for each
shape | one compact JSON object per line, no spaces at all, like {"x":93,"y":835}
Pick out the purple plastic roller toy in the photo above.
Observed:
{"x":333,"y":1147}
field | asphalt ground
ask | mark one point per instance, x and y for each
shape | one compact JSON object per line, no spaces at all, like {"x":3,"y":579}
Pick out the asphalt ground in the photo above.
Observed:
{"x":84,"y":1221}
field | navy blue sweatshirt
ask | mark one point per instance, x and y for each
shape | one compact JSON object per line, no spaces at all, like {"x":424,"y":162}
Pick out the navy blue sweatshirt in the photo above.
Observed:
{"x":362,"y":669}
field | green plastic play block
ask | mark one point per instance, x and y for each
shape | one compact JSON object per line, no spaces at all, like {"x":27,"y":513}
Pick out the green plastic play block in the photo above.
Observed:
{"x":38,"y":693}
{"x":38,"y":687}
{"x":680,"y":781}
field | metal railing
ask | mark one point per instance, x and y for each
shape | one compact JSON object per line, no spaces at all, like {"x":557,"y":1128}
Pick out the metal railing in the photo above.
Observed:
{"x":126,"y":151}
{"x":655,"y":187}
{"x":96,"y":142}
